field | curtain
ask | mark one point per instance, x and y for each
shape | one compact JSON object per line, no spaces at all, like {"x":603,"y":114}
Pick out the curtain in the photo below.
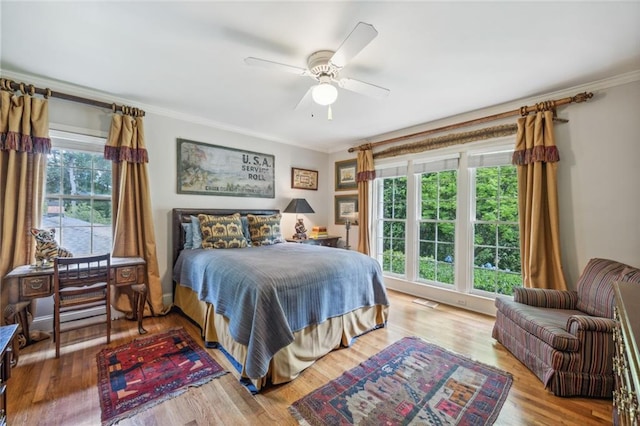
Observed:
{"x":24,"y":144}
{"x":365,"y":173}
{"x":536,"y":157}
{"x":133,"y":232}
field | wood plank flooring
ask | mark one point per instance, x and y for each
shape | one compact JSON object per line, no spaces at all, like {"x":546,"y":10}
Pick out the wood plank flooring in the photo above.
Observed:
{"x":43,"y":390}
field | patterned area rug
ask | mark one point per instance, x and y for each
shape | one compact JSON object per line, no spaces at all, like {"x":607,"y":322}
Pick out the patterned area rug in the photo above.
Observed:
{"x":410,"y":382}
{"x":149,"y":370}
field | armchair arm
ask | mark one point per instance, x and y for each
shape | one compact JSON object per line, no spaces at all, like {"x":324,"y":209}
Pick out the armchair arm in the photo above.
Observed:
{"x":582,"y":323}
{"x":596,"y":342}
{"x":546,"y":298}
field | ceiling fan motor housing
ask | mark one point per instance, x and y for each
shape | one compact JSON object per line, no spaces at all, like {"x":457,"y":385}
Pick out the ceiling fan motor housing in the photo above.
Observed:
{"x":319,"y":65}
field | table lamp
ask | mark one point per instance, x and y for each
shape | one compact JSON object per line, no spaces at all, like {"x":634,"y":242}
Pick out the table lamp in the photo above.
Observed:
{"x":347,"y":224}
{"x":299,"y":205}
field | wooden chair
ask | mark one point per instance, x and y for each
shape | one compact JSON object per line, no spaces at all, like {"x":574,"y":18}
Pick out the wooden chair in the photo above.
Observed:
{"x":80,"y":283}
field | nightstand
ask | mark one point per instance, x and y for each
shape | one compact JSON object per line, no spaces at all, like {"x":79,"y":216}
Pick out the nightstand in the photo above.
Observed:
{"x":328,"y":241}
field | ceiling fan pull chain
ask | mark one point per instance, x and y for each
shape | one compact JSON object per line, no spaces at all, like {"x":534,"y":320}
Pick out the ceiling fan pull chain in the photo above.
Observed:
{"x":329,"y":113}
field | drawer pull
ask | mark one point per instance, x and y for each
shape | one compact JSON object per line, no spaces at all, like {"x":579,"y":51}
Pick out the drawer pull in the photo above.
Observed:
{"x":126,"y":273}
{"x":36,"y":284}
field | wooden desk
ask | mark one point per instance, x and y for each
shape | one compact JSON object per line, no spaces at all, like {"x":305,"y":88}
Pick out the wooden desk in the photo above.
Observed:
{"x":329,"y":241}
{"x":26,"y":283}
{"x":7,"y":334}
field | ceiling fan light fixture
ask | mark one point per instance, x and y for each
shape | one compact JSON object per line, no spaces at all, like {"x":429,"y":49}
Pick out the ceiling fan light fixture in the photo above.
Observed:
{"x":324,"y":93}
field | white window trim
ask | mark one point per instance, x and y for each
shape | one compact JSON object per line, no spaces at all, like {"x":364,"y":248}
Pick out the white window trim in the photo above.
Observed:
{"x":463,"y":271}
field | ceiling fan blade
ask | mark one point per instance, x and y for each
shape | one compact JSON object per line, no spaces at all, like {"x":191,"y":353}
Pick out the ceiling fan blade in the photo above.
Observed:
{"x":364,"y":88}
{"x":361,"y":35}
{"x":306,"y":100}
{"x":263,"y":63}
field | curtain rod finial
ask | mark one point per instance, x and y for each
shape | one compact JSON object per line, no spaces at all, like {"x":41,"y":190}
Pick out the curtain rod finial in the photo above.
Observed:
{"x":582,"y":97}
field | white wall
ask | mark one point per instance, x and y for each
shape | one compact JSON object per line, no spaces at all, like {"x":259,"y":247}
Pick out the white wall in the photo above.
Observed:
{"x":161,"y":133}
{"x":598,"y":178}
{"x":598,"y":173}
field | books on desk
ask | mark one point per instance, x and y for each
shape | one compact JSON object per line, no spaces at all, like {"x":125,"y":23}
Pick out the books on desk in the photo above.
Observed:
{"x":318,"y":232}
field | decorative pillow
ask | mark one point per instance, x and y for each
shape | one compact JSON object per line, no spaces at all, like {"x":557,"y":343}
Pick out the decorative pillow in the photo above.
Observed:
{"x":196,"y":233}
{"x":221,"y":232}
{"x":265,"y":230}
{"x":188,"y":236}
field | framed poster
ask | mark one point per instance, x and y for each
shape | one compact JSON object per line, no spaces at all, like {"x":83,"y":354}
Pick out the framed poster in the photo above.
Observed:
{"x":304,"y":179}
{"x":346,"y":175}
{"x":217,"y":170}
{"x":346,"y":208}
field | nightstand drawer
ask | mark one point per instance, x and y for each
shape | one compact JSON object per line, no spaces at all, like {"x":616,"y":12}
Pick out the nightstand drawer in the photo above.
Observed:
{"x":35,"y":286}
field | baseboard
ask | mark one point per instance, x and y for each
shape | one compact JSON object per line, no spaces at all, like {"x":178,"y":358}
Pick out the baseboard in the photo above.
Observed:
{"x":45,"y":322}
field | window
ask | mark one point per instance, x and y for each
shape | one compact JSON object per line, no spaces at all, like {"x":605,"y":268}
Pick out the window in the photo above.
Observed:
{"x":496,"y":234}
{"x":438,"y":189}
{"x":77,"y":200}
{"x":454,"y":225}
{"x":392,"y":219}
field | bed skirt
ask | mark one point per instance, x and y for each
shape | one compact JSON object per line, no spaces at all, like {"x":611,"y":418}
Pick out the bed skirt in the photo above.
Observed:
{"x":309,"y":344}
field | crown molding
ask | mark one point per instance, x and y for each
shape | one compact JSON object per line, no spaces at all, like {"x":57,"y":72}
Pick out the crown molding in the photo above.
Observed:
{"x":148,"y":108}
{"x":594,"y":86}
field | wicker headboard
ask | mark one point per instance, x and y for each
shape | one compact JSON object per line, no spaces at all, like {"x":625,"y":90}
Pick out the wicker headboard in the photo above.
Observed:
{"x":180,"y":216}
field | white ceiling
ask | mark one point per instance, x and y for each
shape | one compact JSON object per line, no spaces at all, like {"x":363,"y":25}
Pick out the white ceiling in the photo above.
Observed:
{"x":438,"y":58}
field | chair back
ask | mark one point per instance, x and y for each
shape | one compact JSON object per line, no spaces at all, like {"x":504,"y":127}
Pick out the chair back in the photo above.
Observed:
{"x":81,"y":271}
{"x":595,"y":287}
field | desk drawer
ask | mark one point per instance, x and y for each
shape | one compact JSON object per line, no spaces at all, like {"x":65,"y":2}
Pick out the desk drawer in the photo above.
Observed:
{"x":126,"y":275}
{"x":35,"y":286}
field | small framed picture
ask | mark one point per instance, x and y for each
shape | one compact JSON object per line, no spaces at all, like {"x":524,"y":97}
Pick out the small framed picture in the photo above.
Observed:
{"x":346,"y":175}
{"x":304,"y":179}
{"x":346,"y":209}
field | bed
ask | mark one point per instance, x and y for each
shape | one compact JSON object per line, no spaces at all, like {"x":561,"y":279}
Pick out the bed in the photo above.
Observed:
{"x":274,"y":309}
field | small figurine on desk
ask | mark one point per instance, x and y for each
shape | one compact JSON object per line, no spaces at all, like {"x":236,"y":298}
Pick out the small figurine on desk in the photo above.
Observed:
{"x":47,"y":247}
{"x":301,"y":231}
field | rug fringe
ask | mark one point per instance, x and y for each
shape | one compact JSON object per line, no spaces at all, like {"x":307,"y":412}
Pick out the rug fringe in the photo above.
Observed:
{"x":296,"y":415}
{"x":170,"y":395}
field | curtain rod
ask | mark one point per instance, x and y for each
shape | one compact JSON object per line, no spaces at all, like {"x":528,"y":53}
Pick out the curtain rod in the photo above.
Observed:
{"x":30,"y":89}
{"x":542,"y":106}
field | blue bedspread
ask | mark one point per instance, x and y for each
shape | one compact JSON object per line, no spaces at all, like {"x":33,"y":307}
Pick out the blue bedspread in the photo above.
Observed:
{"x":269,"y":292}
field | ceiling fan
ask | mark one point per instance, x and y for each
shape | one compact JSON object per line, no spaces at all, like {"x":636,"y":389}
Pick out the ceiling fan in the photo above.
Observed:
{"x":324,"y":66}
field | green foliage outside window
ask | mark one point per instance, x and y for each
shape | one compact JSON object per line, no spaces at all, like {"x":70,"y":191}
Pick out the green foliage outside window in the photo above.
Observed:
{"x":73,"y":179}
{"x":496,"y":239}
{"x":496,"y":243}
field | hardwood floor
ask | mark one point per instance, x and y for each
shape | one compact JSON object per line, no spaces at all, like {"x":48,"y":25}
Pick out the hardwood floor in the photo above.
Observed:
{"x":43,"y":390}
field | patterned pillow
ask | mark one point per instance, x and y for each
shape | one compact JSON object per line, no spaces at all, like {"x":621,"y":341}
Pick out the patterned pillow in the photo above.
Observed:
{"x":221,"y":232}
{"x":265,"y":230}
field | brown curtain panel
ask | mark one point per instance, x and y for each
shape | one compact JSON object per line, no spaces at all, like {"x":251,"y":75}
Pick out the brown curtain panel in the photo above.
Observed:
{"x":536,"y":157}
{"x":24,"y":144}
{"x":365,"y":174}
{"x":133,"y":232}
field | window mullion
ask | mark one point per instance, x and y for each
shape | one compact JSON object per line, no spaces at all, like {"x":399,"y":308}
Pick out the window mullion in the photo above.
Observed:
{"x":464,"y":226}
{"x":411,"y":225}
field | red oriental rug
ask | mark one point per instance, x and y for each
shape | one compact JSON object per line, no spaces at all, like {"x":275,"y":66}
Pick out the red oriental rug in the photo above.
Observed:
{"x":149,"y":370}
{"x":410,"y":382}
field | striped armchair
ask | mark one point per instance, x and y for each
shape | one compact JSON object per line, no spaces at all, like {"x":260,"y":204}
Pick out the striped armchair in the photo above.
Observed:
{"x":566,"y":337}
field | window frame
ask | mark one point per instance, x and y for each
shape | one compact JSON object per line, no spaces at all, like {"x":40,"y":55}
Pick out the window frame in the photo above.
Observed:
{"x":464,"y":243}
{"x":78,"y":142}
